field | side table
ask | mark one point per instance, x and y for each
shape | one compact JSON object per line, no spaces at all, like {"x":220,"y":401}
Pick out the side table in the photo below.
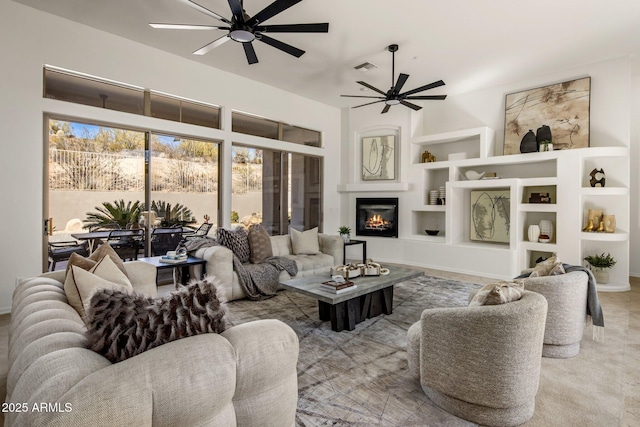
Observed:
{"x":190,"y":261}
{"x":354,"y":242}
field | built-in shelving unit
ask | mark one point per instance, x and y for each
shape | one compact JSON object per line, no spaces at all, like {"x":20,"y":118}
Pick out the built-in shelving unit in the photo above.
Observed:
{"x":563,"y":174}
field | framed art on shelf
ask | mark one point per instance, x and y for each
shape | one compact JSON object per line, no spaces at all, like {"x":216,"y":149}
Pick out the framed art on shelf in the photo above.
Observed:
{"x":564,"y":107}
{"x":378,"y":158}
{"x":490,"y":210}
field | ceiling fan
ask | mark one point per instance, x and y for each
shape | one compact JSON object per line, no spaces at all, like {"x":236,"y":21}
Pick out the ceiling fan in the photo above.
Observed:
{"x":393,"y":95}
{"x":244,"y":29}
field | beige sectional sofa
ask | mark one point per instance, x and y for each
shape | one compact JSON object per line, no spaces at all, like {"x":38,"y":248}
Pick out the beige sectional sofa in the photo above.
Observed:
{"x":245,"y":376}
{"x":220,"y":261}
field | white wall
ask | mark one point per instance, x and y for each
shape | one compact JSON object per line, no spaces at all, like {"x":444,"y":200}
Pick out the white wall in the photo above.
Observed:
{"x":612,"y":99}
{"x":30,"y":39}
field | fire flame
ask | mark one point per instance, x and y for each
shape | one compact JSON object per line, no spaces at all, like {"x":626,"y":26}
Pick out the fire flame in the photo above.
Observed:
{"x":376,"y":221}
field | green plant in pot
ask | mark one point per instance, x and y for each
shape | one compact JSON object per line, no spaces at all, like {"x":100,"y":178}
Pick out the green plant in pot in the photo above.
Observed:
{"x":345,"y":233}
{"x":546,"y":145}
{"x":599,"y":264}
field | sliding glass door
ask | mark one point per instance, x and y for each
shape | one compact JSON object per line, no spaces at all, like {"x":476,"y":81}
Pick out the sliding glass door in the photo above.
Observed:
{"x":99,"y":178}
{"x":275,"y":189}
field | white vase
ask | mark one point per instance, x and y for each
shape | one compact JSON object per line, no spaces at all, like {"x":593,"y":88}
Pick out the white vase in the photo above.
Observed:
{"x":546,"y":227}
{"x":346,"y":237}
{"x":533,"y":233}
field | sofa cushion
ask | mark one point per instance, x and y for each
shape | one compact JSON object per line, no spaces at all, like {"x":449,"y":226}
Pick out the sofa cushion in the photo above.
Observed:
{"x":304,"y":242}
{"x":259,"y":244}
{"x":80,"y":285}
{"x":497,"y":293}
{"x":237,"y":241}
{"x":121,"y":325}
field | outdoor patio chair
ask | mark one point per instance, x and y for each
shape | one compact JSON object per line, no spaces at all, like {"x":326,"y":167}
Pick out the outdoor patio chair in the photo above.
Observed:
{"x":165,"y":239}
{"x":61,"y":251}
{"x":127,"y":243}
{"x":201,"y":232}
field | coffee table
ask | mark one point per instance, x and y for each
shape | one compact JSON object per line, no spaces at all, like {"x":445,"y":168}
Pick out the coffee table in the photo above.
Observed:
{"x":373,"y":296}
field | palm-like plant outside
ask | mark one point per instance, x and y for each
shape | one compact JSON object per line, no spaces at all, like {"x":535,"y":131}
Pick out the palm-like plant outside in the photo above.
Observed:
{"x":176,"y":215}
{"x":113,"y":215}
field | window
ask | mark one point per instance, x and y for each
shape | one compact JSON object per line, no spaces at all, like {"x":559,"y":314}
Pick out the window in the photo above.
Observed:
{"x":64,"y":86}
{"x":102,"y":93}
{"x":98,"y":180}
{"x":259,"y":126}
{"x":275,"y":189}
{"x":181,"y":110}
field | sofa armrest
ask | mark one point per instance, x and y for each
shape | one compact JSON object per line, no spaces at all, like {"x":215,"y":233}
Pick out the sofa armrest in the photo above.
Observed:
{"x":219,"y":264}
{"x":267,"y":379}
{"x":331,"y":245}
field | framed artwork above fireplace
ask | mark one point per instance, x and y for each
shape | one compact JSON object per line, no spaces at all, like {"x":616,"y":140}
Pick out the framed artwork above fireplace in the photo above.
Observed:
{"x":378,"y":158}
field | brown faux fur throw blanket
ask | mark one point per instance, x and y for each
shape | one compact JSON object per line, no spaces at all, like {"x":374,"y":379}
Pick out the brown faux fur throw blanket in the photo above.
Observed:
{"x":121,"y":325}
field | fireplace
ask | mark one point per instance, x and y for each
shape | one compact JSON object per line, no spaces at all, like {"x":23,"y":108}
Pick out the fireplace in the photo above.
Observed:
{"x":377,"y":217}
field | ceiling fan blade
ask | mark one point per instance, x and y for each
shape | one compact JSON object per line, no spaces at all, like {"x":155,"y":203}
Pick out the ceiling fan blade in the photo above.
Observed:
{"x":367,"y":85}
{"x":362,"y":96}
{"x":204,"y":10}
{"x":436,"y":97}
{"x":210,"y":46}
{"x":295,"y":28}
{"x":185,"y":26}
{"x":252,"y":58}
{"x":410,"y":105}
{"x":425,"y":87}
{"x":368,"y":103}
{"x":402,"y":79}
{"x":273,"y":9}
{"x":386,"y":108}
{"x":282,"y":46}
{"x":236,"y":9}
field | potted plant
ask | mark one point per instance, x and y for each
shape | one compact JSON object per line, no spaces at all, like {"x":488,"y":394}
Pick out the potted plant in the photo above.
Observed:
{"x":345,"y":233}
{"x":599,"y":264}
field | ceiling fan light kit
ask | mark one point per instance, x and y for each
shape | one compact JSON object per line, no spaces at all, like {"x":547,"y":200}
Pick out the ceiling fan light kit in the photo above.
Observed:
{"x":393,"y":96}
{"x":245,"y":29}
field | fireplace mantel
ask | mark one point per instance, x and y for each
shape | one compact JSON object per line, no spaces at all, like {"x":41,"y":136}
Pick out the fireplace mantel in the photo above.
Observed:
{"x":377,"y":187}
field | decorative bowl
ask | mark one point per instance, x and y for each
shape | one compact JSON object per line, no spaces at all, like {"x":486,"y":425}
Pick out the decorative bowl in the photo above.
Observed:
{"x":432,"y":232}
{"x":473,"y":175}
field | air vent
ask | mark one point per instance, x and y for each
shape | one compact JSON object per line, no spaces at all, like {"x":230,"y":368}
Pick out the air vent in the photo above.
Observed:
{"x":365,"y":67}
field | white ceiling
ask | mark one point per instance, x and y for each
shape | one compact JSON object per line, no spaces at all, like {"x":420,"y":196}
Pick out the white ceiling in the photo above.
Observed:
{"x":470,"y":44}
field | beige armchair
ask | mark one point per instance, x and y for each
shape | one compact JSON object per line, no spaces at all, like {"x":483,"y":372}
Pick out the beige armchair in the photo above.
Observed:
{"x":566,"y":295}
{"x":481,"y":363}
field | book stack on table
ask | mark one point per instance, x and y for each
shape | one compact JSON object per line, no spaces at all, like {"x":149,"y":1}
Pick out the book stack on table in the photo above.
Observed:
{"x":337,"y":287}
{"x":173,"y":259}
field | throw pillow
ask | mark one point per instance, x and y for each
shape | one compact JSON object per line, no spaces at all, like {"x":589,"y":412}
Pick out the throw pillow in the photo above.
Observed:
{"x":80,"y":285}
{"x":552,"y":266}
{"x":259,"y":244}
{"x":87,"y":263}
{"x":498,"y":293}
{"x":121,"y":325}
{"x":304,"y":242}
{"x":237,"y":241}
{"x":105,"y":249}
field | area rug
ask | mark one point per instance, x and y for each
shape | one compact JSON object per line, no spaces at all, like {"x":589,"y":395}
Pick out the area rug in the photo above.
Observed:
{"x":360,"y":377}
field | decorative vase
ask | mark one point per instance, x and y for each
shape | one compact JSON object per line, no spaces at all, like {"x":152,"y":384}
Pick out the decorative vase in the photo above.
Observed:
{"x":601,"y":275}
{"x":595,"y":216}
{"x":546,"y":147}
{"x":345,"y":237}
{"x":534,"y":232}
{"x":546,"y":227}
